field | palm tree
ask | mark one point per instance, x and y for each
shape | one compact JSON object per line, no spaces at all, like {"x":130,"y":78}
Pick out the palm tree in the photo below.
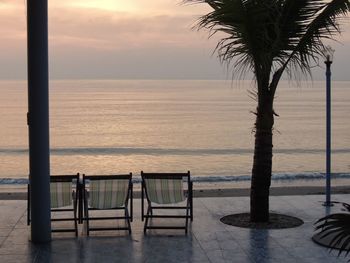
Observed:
{"x":270,"y":37}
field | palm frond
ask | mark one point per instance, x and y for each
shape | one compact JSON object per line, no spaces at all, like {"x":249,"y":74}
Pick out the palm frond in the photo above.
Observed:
{"x":320,"y":23}
{"x":241,"y":21}
{"x":336,"y":226}
{"x":271,"y":36}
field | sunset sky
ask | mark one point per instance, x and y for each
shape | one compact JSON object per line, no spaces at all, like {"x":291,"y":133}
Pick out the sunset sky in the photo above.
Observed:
{"x":125,"y":39}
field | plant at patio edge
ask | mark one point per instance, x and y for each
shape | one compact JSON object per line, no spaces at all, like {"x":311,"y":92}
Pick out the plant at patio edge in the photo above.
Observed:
{"x":338,"y":225}
{"x":268,"y":38}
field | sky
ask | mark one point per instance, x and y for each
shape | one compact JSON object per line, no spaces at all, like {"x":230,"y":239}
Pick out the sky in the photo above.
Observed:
{"x":126,"y":39}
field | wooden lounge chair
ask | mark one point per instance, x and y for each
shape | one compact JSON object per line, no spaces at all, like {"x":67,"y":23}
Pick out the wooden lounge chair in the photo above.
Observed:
{"x":108,"y":192}
{"x":164,"y":191}
{"x":64,"y":191}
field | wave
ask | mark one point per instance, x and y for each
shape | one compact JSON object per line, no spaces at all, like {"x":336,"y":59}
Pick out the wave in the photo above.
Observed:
{"x":162,"y":151}
{"x":219,"y":178}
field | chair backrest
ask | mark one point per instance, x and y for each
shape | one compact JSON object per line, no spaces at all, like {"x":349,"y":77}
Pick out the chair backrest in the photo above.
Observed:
{"x":108,"y":191}
{"x":165,"y":188}
{"x":61,"y":190}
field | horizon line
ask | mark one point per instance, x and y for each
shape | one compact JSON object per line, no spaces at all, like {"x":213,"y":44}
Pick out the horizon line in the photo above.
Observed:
{"x":171,"y":79}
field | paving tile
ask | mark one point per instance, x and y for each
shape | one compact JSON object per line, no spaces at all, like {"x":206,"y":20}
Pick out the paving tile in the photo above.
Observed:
{"x":208,"y":240}
{"x":18,"y":258}
{"x":322,"y":260}
{"x":13,"y":249}
{"x":4,"y":232}
{"x":229,"y":245}
{"x":215,"y":256}
{"x":210,"y":245}
{"x":18,"y":236}
{"x":289,"y":259}
{"x":53,"y":257}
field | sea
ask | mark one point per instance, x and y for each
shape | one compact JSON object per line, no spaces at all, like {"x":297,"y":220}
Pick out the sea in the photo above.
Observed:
{"x":205,"y":126}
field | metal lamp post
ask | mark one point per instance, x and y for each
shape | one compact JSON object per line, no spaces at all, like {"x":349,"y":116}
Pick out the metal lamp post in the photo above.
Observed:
{"x":328,"y":55}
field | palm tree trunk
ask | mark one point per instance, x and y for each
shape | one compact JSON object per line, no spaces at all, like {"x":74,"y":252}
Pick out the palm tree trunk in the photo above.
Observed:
{"x":262,"y":165}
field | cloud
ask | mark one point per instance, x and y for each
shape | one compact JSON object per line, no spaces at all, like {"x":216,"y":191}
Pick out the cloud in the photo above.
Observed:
{"x":103,"y":44}
{"x":12,"y":26}
{"x":150,"y":63}
{"x":151,"y":7}
{"x":106,"y":30}
{"x":94,"y":42}
{"x":143,"y":39}
{"x":8,"y":3}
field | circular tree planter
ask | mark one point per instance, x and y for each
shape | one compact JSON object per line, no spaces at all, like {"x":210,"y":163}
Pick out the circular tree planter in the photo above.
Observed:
{"x":276,"y":221}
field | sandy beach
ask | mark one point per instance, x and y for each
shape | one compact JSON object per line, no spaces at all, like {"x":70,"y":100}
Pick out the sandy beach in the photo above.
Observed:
{"x":19,"y":192}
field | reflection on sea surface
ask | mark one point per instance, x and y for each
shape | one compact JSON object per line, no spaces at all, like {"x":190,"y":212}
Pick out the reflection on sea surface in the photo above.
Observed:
{"x":202,"y":126}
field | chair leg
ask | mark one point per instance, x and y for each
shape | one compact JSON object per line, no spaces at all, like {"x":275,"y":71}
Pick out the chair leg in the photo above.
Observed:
{"x":187,"y":214}
{"x":81,"y":200}
{"x":131,"y":203}
{"x":127,"y":217}
{"x":142,"y":202}
{"x":87,"y":222}
{"x":146,"y":221}
{"x":191,"y":200}
{"x":86,"y":215}
{"x":75,"y":218}
{"x":28,"y":204}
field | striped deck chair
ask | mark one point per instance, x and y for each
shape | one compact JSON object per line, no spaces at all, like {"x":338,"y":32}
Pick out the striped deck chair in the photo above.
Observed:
{"x":108,"y":192}
{"x":64,"y":191}
{"x":162,"y":191}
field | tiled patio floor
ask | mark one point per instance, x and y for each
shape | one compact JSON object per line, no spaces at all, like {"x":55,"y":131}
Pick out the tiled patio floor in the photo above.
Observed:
{"x":208,"y":240}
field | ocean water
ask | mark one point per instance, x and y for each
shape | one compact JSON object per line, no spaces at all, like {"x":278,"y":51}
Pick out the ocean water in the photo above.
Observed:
{"x":109,"y":126}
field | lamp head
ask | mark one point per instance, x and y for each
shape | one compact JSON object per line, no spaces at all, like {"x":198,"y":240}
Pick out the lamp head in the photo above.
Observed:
{"x":328,"y":53}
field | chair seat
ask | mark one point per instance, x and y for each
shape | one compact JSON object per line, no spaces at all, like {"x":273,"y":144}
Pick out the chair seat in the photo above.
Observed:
{"x":105,"y":194}
{"x":108,"y":192}
{"x":164,"y":191}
